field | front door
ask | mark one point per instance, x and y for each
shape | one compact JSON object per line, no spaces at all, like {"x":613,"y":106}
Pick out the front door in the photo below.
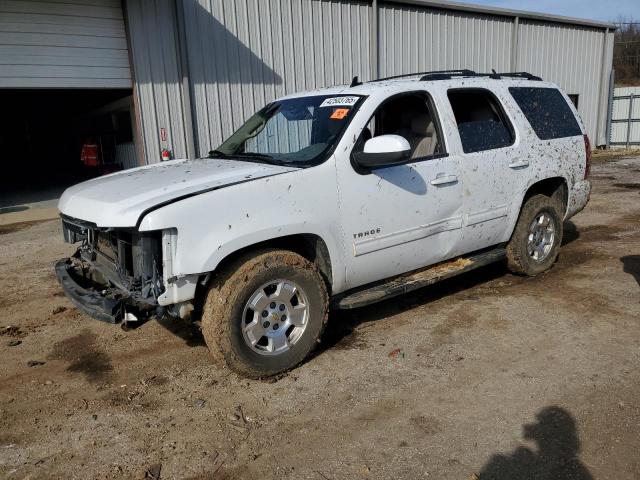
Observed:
{"x":400,"y":218}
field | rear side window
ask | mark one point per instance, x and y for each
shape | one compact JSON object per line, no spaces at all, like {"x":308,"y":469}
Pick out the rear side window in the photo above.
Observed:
{"x":547,"y":111}
{"x":481,"y":121}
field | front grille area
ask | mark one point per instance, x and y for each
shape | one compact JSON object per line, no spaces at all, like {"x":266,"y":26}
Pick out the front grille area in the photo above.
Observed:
{"x":121,"y":258}
{"x":117,"y":247}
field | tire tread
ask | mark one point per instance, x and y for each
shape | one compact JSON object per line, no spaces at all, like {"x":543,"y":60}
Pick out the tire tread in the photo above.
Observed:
{"x":223,"y":294}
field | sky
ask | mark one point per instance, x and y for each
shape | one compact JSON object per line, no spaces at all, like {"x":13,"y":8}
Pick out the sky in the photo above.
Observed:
{"x":601,"y":10}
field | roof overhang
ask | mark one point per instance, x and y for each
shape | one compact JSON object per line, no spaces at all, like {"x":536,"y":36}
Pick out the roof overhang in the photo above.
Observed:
{"x":504,"y":12}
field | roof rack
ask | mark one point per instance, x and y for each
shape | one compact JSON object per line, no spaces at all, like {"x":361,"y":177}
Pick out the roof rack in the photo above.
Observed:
{"x":448,"y":74}
{"x":525,"y":75}
{"x":464,"y":72}
{"x":468,"y":73}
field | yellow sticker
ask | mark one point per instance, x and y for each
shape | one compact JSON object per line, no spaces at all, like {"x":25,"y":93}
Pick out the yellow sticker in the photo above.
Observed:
{"x":339,"y":113}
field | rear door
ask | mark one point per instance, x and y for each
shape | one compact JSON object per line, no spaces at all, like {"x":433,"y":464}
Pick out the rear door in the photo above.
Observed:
{"x":494,"y":164}
{"x":555,"y":133}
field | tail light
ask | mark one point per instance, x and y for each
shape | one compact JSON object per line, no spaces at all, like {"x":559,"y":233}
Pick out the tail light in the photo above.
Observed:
{"x":587,"y":155}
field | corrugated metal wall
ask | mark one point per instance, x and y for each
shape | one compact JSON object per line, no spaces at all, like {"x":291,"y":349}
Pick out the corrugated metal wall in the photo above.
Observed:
{"x":241,"y":54}
{"x":240,"y":59}
{"x":570,"y":56}
{"x":415,"y":39}
{"x":54,"y":44}
{"x":158,"y":77}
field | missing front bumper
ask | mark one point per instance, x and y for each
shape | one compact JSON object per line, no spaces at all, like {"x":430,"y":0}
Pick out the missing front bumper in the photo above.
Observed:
{"x":103,"y":306}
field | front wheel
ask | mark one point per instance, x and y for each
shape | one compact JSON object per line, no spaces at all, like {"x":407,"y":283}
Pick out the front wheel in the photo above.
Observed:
{"x":536,"y":240}
{"x":265,"y":313}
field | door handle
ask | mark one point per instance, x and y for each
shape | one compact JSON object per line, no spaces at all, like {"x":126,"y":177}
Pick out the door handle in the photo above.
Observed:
{"x":519,"y":164}
{"x":444,"y":180}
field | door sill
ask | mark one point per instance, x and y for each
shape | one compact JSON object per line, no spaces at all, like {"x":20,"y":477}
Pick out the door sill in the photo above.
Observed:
{"x":408,"y":282}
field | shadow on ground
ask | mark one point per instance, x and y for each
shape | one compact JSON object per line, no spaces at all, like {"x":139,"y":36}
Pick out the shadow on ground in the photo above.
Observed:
{"x":631,"y":265}
{"x":555,"y":456}
{"x":188,"y":332}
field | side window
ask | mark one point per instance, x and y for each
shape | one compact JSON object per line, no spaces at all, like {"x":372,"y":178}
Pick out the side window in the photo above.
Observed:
{"x":481,"y":121}
{"x":547,"y":111}
{"x":411,"y":116}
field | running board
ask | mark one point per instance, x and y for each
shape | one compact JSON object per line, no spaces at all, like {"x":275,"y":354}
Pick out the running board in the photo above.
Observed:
{"x":417,"y":279}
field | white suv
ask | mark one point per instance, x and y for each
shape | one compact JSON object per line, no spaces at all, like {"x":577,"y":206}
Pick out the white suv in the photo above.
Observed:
{"x":341,"y":196}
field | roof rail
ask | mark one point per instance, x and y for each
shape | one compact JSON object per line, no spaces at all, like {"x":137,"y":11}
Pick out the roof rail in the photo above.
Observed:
{"x":525,"y":75}
{"x":469,"y":73}
{"x":452,"y":72}
{"x":448,"y":74}
{"x":445,"y":75}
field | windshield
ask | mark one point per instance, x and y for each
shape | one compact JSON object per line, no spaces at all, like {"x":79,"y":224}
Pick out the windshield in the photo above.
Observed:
{"x":299,"y":131}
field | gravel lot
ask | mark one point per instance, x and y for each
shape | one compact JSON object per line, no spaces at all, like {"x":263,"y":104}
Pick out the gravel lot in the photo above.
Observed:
{"x":488,"y":375}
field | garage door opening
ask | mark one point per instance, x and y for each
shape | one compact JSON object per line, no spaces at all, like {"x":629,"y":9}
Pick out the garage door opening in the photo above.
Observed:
{"x":53,"y":138}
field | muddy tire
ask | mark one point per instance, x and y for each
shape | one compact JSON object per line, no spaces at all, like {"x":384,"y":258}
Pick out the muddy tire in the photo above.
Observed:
{"x":536,"y":240}
{"x":265,"y":313}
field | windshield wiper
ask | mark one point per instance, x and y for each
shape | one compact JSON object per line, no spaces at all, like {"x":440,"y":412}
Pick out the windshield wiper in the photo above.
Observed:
{"x":256,"y":157}
{"x":217,"y":153}
{"x":249,"y":157}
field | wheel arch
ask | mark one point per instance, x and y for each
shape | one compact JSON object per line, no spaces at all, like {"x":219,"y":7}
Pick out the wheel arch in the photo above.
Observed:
{"x":308,"y":245}
{"x":552,"y":187}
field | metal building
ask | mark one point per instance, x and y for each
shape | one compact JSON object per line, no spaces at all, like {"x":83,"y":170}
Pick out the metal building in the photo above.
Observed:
{"x":193,"y":70}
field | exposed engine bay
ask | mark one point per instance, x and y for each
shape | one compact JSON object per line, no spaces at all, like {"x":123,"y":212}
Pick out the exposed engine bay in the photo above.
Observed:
{"x":121,"y":265}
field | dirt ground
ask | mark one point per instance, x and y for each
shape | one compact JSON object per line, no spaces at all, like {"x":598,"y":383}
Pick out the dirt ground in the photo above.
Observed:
{"x":487,"y":375}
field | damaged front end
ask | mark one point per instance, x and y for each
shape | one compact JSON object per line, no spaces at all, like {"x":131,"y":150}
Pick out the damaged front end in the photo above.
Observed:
{"x":115,"y":274}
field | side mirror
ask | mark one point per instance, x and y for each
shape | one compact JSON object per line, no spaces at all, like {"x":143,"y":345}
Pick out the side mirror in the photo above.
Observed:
{"x":383,"y":151}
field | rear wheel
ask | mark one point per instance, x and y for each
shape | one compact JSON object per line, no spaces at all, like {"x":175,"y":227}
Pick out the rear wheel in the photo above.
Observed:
{"x":536,"y":240}
{"x":265,"y":313}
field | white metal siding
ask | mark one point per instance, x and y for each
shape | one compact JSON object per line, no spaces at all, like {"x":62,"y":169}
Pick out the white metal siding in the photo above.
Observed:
{"x":155,"y":54}
{"x":235,"y":56}
{"x":245,"y":53}
{"x":570,"y":56}
{"x":414,"y":39}
{"x":63,"y":44}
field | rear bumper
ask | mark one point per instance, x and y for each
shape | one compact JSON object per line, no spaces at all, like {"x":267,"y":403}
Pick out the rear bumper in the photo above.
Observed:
{"x":578,"y":198}
{"x":107,"y":307}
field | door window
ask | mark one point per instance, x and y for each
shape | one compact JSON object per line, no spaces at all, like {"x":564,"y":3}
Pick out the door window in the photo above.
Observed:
{"x":481,"y":121}
{"x":411,"y":116}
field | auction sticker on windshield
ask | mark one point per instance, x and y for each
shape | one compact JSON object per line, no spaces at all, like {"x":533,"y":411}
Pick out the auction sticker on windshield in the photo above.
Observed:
{"x":340,"y":101}
{"x":339,"y":113}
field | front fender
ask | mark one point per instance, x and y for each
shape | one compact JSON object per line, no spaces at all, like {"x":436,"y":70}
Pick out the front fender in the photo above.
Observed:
{"x":215,"y":224}
{"x":229,"y":246}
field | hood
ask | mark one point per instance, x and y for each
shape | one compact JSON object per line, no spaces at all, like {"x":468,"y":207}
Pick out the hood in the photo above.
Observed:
{"x":119,"y":199}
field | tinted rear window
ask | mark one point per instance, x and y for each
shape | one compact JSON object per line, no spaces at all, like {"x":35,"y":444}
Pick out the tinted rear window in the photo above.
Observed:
{"x":481,"y":122}
{"x":547,"y":111}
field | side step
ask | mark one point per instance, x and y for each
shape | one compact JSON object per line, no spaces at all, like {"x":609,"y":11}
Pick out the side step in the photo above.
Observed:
{"x":417,"y":279}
